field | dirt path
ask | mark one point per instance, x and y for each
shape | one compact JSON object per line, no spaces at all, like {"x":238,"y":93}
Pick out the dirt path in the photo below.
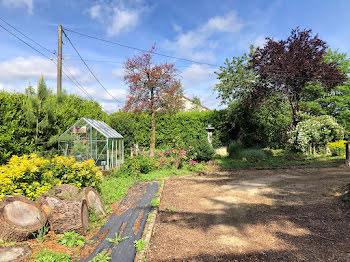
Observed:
{"x":254,"y":215}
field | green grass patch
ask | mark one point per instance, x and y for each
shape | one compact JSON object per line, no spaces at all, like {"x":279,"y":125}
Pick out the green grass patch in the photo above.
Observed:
{"x":52,"y":256}
{"x":277,"y":158}
{"x":114,"y":188}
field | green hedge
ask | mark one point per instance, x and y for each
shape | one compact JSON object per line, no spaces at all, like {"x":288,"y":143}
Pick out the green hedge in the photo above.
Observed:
{"x":17,"y":135}
{"x":171,"y":130}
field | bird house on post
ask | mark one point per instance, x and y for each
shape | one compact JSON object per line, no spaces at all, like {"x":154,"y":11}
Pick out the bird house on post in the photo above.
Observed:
{"x":210,"y":129}
{"x":347,"y":151}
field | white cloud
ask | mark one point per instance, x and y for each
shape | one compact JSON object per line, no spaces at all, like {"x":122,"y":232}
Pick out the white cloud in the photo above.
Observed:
{"x":17,"y":72}
{"x":229,"y":23}
{"x":29,"y":4}
{"x":117,"y":16}
{"x":118,"y":73}
{"x":197,"y":74}
{"x":95,"y":11}
{"x":99,"y":94}
{"x":245,"y":41}
{"x":260,"y":41}
{"x":196,"y":44}
{"x":21,"y":68}
{"x":123,"y":21}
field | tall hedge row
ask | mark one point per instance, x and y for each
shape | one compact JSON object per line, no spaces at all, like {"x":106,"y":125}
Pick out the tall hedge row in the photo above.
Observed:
{"x":171,"y":130}
{"x":17,"y":134}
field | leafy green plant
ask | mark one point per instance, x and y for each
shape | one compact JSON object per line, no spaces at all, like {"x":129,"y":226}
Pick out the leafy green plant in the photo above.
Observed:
{"x":95,"y":220}
{"x":31,"y":175}
{"x":117,"y":239}
{"x":41,"y":233}
{"x":139,"y":245}
{"x":71,"y":239}
{"x":47,"y":255}
{"x":171,"y":208}
{"x":337,"y":148}
{"x":6,"y":244}
{"x":312,"y":135}
{"x":103,"y":256}
{"x":109,"y":210}
{"x":149,"y":215}
{"x":235,"y":150}
{"x":157,"y":194}
{"x":155,"y":203}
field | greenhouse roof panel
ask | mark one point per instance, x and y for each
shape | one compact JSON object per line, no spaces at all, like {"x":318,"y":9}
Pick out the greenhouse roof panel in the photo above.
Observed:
{"x":103,"y":128}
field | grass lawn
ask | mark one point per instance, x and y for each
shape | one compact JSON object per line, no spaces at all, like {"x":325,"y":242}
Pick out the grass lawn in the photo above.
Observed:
{"x":281,"y":159}
{"x":114,"y":188}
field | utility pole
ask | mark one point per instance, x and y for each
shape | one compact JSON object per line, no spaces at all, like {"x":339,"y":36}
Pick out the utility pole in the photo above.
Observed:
{"x":59,"y":60}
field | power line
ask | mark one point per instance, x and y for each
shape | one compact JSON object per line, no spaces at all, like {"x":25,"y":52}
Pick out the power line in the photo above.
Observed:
{"x":108,"y":61}
{"x":89,"y":68}
{"x":80,"y":87}
{"x":139,"y":49}
{"x":25,"y":42}
{"x":27,"y":36}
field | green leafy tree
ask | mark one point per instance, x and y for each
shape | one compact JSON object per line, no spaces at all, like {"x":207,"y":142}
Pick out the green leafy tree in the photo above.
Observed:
{"x":336,"y":102}
{"x":237,"y":81}
{"x":38,"y":111}
{"x":16,"y":138}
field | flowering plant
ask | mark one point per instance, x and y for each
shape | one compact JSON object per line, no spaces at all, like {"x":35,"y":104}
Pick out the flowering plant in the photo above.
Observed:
{"x":31,"y":175}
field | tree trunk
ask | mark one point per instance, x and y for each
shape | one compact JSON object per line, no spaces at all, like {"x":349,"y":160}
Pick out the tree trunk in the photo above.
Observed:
{"x":153,"y":135}
{"x":15,"y":253}
{"x":19,"y":218}
{"x":47,"y":203}
{"x":69,"y":215}
{"x":64,"y":192}
{"x":93,"y":200}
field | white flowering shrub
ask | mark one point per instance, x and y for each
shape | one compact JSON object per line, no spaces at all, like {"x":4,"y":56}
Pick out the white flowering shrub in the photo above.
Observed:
{"x":316,"y":133}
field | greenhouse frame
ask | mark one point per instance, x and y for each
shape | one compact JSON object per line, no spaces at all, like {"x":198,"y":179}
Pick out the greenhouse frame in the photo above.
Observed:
{"x":93,"y":139}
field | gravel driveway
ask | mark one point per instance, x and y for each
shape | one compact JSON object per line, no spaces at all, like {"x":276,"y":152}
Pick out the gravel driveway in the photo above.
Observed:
{"x":254,"y":215}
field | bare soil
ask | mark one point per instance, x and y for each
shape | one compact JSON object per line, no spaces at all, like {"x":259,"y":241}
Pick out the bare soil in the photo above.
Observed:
{"x":290,"y":214}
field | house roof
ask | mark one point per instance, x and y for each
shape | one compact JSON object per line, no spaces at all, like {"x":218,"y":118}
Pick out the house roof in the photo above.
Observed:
{"x":206,"y":108}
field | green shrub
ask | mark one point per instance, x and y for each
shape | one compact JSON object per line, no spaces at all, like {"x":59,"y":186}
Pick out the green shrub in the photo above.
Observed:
{"x":47,"y":255}
{"x":235,"y":150}
{"x":201,"y":150}
{"x":171,"y":129}
{"x":135,"y":166}
{"x":313,"y":135}
{"x":32,"y":176}
{"x":337,"y":148}
{"x":254,"y":154}
{"x":71,"y":239}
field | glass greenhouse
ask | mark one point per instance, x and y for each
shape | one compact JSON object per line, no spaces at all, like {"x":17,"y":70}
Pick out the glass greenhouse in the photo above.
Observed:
{"x":93,"y":139}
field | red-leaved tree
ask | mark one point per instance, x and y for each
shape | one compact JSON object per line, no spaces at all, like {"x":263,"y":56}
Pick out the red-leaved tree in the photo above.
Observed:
{"x":152,"y":88}
{"x":287,"y":66}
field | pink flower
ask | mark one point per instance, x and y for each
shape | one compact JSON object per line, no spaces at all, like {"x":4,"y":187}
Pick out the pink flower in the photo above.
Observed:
{"x":183,"y":152}
{"x":162,"y":159}
{"x":192,"y":162}
{"x":167,"y":153}
{"x":160,"y":153}
{"x":173,"y":149}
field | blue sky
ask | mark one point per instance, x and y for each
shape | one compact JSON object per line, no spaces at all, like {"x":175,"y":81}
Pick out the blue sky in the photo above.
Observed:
{"x":206,"y":31}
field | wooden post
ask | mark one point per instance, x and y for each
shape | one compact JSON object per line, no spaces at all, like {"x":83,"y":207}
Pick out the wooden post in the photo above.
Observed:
{"x":59,"y":60}
{"x":347,"y":151}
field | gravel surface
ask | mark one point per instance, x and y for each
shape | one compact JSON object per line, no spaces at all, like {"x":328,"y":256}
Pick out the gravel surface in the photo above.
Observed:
{"x":254,"y":215}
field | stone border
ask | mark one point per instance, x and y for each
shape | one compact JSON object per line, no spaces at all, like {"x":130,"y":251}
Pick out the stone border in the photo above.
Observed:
{"x":147,"y":233}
